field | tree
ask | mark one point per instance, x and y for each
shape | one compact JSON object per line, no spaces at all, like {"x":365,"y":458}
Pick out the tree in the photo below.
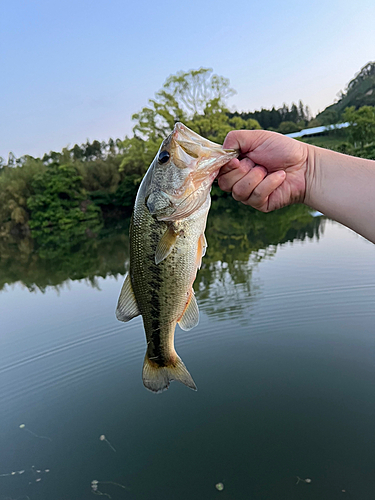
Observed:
{"x":183,"y":97}
{"x":362,"y":124}
{"x":93,"y":151}
{"x":195,"y":97}
{"x":304,"y":114}
{"x":293,"y":114}
{"x":271,"y":118}
{"x":275,"y":118}
{"x":288,"y":127}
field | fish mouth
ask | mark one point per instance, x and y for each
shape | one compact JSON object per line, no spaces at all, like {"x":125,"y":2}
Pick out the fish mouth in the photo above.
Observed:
{"x":201,"y":150}
{"x":205,"y":159}
{"x":201,"y":159}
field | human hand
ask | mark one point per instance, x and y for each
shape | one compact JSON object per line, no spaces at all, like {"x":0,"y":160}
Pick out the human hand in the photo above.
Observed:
{"x":271,"y":171}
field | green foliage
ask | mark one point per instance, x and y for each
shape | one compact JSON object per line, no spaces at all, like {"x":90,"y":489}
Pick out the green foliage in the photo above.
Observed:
{"x":330,"y":117}
{"x":100,"y":175}
{"x":197,"y":98}
{"x":127,"y":190}
{"x":315,"y":123}
{"x":60,"y":208}
{"x":330,"y":139}
{"x":362,"y":125}
{"x":345,"y":147}
{"x":214,"y":123}
{"x":70,"y":188}
{"x":15,"y":189}
{"x":137,"y":154}
{"x":288,"y":128}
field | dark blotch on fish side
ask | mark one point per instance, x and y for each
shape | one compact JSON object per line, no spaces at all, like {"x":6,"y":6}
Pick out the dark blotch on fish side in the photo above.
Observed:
{"x":154,"y":348}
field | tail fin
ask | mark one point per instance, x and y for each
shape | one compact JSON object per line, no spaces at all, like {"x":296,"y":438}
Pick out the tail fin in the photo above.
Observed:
{"x":157,"y":378}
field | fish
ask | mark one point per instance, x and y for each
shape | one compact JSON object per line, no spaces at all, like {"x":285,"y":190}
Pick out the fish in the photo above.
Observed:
{"x":167,"y":243}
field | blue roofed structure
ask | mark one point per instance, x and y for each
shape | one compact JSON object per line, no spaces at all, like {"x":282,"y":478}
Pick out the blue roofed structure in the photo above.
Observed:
{"x":317,"y":130}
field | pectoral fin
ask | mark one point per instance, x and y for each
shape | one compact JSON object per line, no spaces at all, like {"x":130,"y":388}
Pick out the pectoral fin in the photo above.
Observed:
{"x":190,"y":318}
{"x":202,"y":245}
{"x":127,"y":307}
{"x":166,"y":244}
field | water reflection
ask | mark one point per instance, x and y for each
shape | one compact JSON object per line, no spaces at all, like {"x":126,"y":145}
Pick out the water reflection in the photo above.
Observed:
{"x":101,"y":255}
{"x":285,"y":372}
{"x":238,"y":238}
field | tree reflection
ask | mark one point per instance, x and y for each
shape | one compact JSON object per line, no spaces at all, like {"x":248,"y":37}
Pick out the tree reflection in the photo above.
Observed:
{"x":86,"y":258}
{"x":238,"y":238}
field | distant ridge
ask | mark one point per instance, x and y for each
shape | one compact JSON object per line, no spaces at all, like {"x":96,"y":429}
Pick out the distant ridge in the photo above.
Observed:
{"x":359,"y":92}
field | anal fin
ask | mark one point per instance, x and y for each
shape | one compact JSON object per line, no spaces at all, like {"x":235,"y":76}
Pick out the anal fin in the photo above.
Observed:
{"x":127,"y":307}
{"x":190,"y":317}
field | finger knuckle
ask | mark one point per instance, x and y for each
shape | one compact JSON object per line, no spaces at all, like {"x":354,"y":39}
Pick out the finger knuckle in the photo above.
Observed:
{"x":224,"y":184}
{"x":257,"y":201}
{"x":230,"y":139}
{"x":240,"y":192}
{"x":257,"y":196}
{"x":231,"y":134}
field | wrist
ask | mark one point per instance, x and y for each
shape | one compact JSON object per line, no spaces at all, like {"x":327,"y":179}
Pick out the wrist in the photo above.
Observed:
{"x":311,"y":174}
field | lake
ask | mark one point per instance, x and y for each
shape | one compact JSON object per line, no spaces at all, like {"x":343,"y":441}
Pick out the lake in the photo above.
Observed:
{"x":283,"y":358}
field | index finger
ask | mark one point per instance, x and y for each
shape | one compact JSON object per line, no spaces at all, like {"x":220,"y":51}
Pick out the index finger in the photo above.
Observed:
{"x":228,"y":167}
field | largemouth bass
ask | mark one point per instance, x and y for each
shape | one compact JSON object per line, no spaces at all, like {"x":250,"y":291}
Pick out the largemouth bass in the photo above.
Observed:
{"x":167,"y":244}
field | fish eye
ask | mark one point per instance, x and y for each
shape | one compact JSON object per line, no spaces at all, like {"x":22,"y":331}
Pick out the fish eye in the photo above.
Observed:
{"x":163,"y":157}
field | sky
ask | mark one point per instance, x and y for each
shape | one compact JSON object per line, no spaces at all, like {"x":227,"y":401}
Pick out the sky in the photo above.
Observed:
{"x":78,"y":70}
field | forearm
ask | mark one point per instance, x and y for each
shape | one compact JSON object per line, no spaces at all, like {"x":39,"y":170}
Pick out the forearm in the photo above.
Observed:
{"x":343,"y":188}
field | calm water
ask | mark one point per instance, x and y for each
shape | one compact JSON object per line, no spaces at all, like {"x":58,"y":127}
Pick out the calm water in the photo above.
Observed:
{"x":283,"y":357}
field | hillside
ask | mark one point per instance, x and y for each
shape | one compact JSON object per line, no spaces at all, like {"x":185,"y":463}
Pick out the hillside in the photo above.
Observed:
{"x":359,"y":92}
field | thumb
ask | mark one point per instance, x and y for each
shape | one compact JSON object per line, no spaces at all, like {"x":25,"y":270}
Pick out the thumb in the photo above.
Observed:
{"x":245,"y":140}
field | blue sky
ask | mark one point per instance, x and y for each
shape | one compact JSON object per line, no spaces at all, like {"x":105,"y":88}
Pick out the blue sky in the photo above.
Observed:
{"x":77,"y":70}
